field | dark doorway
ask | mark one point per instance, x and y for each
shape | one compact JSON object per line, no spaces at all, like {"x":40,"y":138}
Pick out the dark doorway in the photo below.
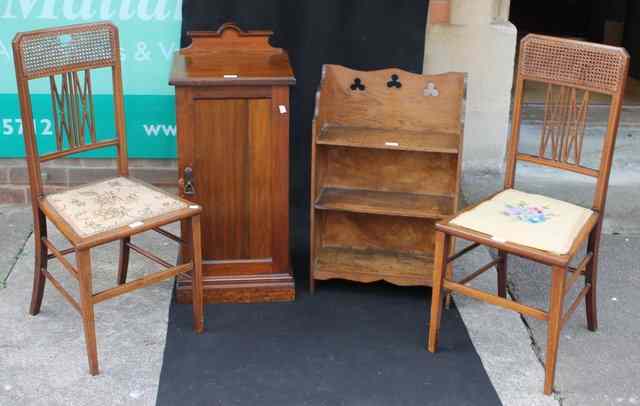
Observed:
{"x":593,"y":20}
{"x":613,"y":22}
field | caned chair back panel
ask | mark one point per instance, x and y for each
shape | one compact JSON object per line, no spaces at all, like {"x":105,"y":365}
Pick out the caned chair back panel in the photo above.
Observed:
{"x":67,"y":56}
{"x":589,"y":66}
{"x":572,"y":71}
{"x":80,"y":47}
{"x":390,"y":99}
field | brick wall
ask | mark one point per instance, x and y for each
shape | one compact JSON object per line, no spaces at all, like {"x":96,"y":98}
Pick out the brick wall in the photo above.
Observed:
{"x":64,"y":173}
{"x":439,"y":11}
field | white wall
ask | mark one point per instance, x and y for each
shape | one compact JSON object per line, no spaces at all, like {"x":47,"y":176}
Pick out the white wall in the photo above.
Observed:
{"x":479,"y":40}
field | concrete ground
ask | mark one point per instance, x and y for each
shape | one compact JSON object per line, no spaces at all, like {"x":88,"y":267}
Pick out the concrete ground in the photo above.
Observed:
{"x":17,"y":227}
{"x":42,"y":358}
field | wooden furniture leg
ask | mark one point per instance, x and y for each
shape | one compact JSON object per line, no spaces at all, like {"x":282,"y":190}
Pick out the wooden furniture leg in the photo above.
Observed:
{"x":591,"y":276}
{"x":83,"y":259}
{"x":448,"y":297}
{"x":123,"y":262}
{"x":442,"y":244}
{"x":447,"y":294}
{"x":502,"y":274}
{"x":196,"y":274}
{"x":556,"y":299}
{"x":39,"y":279}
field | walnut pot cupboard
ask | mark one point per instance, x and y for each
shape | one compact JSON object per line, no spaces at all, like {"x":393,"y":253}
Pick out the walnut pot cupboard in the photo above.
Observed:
{"x":232,"y":107}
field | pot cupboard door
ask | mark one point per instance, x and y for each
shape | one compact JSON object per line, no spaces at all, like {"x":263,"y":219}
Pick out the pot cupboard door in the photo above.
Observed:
{"x":232,"y":173}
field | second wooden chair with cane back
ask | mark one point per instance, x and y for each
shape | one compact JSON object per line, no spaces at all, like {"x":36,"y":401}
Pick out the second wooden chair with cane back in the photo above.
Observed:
{"x":111,"y":210}
{"x":545,"y":230}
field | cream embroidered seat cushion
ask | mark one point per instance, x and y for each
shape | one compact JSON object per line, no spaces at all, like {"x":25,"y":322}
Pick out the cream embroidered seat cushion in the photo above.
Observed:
{"x":535,"y":221}
{"x":110,"y":204}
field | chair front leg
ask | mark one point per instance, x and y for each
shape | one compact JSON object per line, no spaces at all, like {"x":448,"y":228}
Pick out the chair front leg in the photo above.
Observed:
{"x":442,"y":245}
{"x":556,"y":301}
{"x":196,"y":276}
{"x":591,"y":277}
{"x":123,"y":260}
{"x":39,"y":280}
{"x":86,"y":306}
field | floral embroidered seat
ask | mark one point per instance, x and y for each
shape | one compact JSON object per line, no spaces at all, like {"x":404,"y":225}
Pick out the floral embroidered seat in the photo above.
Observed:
{"x":110,"y":204}
{"x":531,"y":220}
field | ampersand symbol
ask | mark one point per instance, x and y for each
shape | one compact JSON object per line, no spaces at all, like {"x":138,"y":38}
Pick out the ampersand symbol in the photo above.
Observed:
{"x":141,"y":52}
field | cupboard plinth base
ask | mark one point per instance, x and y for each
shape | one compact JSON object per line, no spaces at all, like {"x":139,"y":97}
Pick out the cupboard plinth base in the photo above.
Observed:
{"x":278,"y":287}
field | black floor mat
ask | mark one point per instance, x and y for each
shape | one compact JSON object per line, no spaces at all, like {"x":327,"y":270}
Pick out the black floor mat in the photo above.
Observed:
{"x":349,"y":344}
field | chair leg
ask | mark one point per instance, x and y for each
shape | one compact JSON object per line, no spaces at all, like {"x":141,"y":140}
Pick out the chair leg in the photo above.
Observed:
{"x":502,"y":274}
{"x":86,"y":306}
{"x":441,"y":249}
{"x":123,"y":261}
{"x":448,"y":297}
{"x":196,"y":276}
{"x":591,"y":277}
{"x":556,"y":301}
{"x":39,"y":280}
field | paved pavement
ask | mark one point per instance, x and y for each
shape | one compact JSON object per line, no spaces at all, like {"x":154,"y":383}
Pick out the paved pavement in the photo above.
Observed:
{"x":601,"y":368}
{"x":16,"y":226}
{"x":42,"y":358}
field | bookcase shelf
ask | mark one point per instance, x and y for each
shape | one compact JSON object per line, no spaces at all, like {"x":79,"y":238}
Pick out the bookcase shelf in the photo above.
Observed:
{"x":386,"y":160}
{"x":373,"y":265}
{"x":421,"y":141}
{"x":385,"y":203}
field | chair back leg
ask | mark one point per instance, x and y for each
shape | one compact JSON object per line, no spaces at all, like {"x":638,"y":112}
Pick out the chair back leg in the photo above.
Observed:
{"x":502,"y":274}
{"x":556,"y":301}
{"x":591,"y":277}
{"x":86,"y":307}
{"x":39,"y":279}
{"x":123,"y":261}
{"x":442,"y":245}
{"x":196,"y":274}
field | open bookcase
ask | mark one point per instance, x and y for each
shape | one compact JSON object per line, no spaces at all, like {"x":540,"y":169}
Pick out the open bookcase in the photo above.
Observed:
{"x":386,"y":165}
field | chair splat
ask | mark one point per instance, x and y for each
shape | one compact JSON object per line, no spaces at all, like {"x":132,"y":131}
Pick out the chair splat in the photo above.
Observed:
{"x":565,"y":117}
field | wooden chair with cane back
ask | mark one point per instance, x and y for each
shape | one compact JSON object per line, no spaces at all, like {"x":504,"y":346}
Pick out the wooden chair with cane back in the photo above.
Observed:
{"x":548,"y":231}
{"x":110,"y":210}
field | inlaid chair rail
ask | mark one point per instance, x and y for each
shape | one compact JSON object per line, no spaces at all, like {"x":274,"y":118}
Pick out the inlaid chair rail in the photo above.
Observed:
{"x":50,"y":52}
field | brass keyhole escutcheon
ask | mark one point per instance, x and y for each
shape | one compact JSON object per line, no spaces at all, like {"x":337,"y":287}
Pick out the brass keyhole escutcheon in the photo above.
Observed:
{"x":188,"y":187}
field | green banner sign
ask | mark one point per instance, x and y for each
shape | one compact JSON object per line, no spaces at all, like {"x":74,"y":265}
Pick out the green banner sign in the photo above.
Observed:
{"x":149,"y":36}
